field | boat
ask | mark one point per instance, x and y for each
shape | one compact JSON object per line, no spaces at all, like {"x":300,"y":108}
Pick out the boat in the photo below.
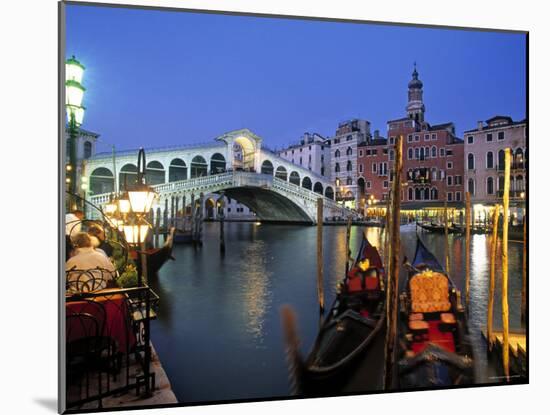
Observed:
{"x":184,"y":230}
{"x":434,"y":342}
{"x":157,"y":257}
{"x":354,"y":324}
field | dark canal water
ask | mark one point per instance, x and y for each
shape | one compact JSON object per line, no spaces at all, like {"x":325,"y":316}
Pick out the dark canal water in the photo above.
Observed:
{"x":219,"y":334}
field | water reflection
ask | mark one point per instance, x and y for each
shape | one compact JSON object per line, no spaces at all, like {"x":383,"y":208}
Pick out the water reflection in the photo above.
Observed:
{"x":218,"y":332}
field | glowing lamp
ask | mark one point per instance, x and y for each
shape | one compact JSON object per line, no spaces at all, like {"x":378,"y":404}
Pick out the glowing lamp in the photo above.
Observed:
{"x":74,"y":70}
{"x":124,"y":204}
{"x":110,"y":208}
{"x":135,"y":234}
{"x":141,"y":198}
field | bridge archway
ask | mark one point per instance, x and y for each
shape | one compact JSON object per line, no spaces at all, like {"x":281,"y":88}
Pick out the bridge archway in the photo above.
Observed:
{"x":199,"y":167}
{"x":306,"y":183}
{"x":210,"y":206}
{"x":294,"y":178}
{"x":329,"y":192}
{"x":281,"y":173}
{"x":267,"y":167}
{"x":244,"y":150}
{"x":102,"y":180}
{"x":155,"y":173}
{"x":318,"y":188}
{"x":177,"y":170}
{"x":127,"y":176}
{"x":217,"y":164}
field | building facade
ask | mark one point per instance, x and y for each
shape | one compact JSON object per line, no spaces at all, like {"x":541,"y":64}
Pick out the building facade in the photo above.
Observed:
{"x":311,"y":153}
{"x":343,"y":159}
{"x":484,"y":160}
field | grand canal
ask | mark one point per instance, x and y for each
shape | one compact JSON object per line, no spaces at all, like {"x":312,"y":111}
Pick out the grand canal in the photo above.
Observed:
{"x":219,"y":335}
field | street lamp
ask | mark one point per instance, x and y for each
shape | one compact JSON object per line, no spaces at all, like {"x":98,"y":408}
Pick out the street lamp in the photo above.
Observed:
{"x":74,"y":94}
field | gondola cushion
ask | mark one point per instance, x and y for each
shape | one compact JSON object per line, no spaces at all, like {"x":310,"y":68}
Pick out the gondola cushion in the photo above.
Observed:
{"x":429,"y":292}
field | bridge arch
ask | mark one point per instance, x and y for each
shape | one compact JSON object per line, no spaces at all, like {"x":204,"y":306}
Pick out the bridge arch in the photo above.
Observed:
{"x":306,"y":183}
{"x":199,"y":167}
{"x":177,"y":170}
{"x":329,"y":192}
{"x":281,"y":173}
{"x":294,"y":178}
{"x":318,"y":188}
{"x":155,"y":173}
{"x":217,"y":163}
{"x":127,"y":176}
{"x":267,"y":167}
{"x":102,"y":180}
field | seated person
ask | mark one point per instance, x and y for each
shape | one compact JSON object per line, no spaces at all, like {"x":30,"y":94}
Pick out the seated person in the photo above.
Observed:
{"x":97,"y":234}
{"x":83,"y":275}
{"x":363,"y":277}
{"x":72,"y":227}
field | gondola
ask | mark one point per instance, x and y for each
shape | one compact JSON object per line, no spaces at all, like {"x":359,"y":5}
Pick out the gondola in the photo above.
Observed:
{"x":434,"y":341}
{"x":355,"y":322}
{"x":157,"y":257}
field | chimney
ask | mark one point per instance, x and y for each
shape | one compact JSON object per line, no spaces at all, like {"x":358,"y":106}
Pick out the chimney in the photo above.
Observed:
{"x":480,"y":125}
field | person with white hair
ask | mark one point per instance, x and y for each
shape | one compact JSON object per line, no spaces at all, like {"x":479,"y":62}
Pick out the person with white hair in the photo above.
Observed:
{"x":88,"y":270}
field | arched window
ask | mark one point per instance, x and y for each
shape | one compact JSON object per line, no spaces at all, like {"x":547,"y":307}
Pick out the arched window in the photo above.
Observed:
{"x":471,"y":187}
{"x":410,"y":154}
{"x":392,"y":155}
{"x":518,"y":159}
{"x":102,"y":181}
{"x":417,"y":153}
{"x":318,"y":188}
{"x":349,"y":166}
{"x":434,"y":173}
{"x":155,"y":173}
{"x":417,"y":194}
{"x":294,"y":178}
{"x":361,"y":185}
{"x":217,"y":164}
{"x":306,"y":183}
{"x":519,"y":183}
{"x":427,"y":152}
{"x":267,"y":167}
{"x":349,"y":151}
{"x":337,"y":153}
{"x":349,"y":181}
{"x":490,"y":163}
{"x":177,"y":170}
{"x":501,"y":160}
{"x":434,"y":151}
{"x":421,"y":153}
{"x":410,"y":193}
{"x":329,"y":192}
{"x":434,"y":193}
{"x":281,"y":173}
{"x":426,"y":194}
{"x":501,"y":183}
{"x":199,"y":167}
{"x":490,"y":186}
{"x":87,"y":149}
{"x":337,"y":168}
{"x":471,"y":161}
{"x":127,"y":176}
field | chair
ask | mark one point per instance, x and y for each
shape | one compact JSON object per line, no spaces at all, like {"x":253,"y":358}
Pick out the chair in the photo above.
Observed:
{"x":89,"y":280}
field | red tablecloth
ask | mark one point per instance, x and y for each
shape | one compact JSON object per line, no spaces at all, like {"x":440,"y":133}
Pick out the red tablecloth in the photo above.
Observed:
{"x":116,"y":326}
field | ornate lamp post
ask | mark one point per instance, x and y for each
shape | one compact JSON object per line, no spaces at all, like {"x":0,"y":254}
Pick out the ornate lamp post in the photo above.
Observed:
{"x":74,"y":94}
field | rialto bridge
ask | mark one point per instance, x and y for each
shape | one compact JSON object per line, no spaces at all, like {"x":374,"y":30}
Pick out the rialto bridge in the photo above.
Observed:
{"x":235,"y":164}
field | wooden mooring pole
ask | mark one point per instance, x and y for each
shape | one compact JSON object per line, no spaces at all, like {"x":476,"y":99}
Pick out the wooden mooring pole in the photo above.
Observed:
{"x":320,"y":287}
{"x":348,"y":232}
{"x":388,"y":227}
{"x":221,"y":216}
{"x":393,"y":278}
{"x":491,"y":300}
{"x":524,"y":279}
{"x":467,"y":265}
{"x":505,"y":321}
{"x":446,"y":224}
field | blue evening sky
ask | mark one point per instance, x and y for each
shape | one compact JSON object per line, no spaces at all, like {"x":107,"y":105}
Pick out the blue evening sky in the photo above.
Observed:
{"x":161,"y":78}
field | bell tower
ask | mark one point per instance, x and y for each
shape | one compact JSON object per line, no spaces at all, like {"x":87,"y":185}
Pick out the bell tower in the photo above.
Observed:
{"x":415,"y":105}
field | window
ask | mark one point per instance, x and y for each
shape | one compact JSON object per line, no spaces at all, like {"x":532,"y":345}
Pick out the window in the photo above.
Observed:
{"x":490,"y":186}
{"x":434,"y":151}
{"x":449,"y":180}
{"x":410,"y":154}
{"x":426,"y":137}
{"x":360,"y":153}
{"x":385,"y":151}
{"x":501,"y":135}
{"x":385,"y":185}
{"x":434,"y":173}
{"x":292,"y":151}
{"x":434,"y":193}
{"x":434,"y":136}
{"x":441,"y":152}
{"x":349,"y":138}
{"x":392,"y":155}
{"x":392,"y":140}
{"x":409,"y":138}
{"x":349,"y":182}
{"x":410,"y":193}
{"x":417,"y":153}
{"x":489,"y":137}
{"x":449,"y":164}
{"x":449,"y":196}
{"x":300,"y":161}
{"x":490,"y":163}
{"x":87,"y":149}
{"x":374,"y":152}
{"x":368,"y":184}
{"x":337,"y":154}
{"x":337,"y":168}
{"x":421,"y":153}
{"x":449,"y":153}
{"x":367,"y":153}
{"x":361,"y":168}
{"x":458,"y":196}
{"x":349,"y":151}
{"x":471,"y":161}
{"x":374,"y":167}
{"x":426,"y":194}
{"x":416,"y":138}
{"x":441,"y":174}
{"x":349,"y":166}
{"x":301,"y":149}
{"x":471,"y":186}
{"x":458,"y":180}
{"x":427,"y":152}
{"x":470,"y":139}
{"x":501,"y":159}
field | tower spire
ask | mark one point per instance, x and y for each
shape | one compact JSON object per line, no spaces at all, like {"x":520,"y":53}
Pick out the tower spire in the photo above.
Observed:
{"x":415,"y":105}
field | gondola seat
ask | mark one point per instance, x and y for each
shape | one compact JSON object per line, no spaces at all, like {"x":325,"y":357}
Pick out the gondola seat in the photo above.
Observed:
{"x":416,"y":316}
{"x":448,"y":318}
{"x":429,"y":292}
